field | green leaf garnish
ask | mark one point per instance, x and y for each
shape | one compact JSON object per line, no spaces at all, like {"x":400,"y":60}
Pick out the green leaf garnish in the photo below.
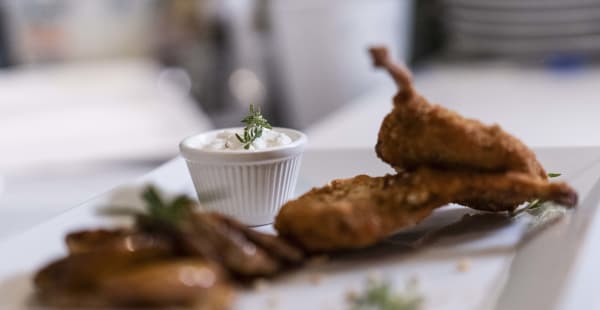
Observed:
{"x":168,"y":212}
{"x":536,"y":203}
{"x":157,"y":210}
{"x":531,"y":205}
{"x":378,"y":295}
{"x":255,"y":123}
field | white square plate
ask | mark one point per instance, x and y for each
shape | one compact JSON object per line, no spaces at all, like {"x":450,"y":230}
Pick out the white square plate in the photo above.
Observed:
{"x":508,"y":267}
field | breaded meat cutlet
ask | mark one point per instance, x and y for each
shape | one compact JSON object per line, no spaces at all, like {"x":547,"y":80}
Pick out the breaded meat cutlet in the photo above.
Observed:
{"x":416,"y":133}
{"x":360,"y":211}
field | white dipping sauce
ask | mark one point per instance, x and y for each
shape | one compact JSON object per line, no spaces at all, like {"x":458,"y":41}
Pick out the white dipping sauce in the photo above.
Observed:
{"x":226,"y":140}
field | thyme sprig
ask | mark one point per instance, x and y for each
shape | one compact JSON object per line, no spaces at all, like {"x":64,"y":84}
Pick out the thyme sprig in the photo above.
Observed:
{"x":536,"y":203}
{"x":171,"y":212}
{"x":378,"y":295}
{"x":255,"y":123}
{"x":157,"y":210}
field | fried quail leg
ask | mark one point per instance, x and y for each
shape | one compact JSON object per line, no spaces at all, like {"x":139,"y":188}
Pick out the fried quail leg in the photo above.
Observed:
{"x":417,"y":133}
{"x":363,"y":210}
{"x":349,"y":213}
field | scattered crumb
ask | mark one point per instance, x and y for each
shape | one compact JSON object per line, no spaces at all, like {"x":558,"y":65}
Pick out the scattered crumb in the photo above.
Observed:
{"x":328,"y":304}
{"x":463,"y":265}
{"x":351,"y":295}
{"x":318,"y":260}
{"x":413,"y":281}
{"x":315,"y":278}
{"x":272,"y":302}
{"x":374,"y":276}
{"x":379,"y":294}
{"x":260,"y":285}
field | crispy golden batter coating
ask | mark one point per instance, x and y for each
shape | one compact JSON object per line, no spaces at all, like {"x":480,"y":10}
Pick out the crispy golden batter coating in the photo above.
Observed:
{"x":417,"y":133}
{"x":360,"y":211}
{"x":350,"y":213}
{"x":441,"y":158}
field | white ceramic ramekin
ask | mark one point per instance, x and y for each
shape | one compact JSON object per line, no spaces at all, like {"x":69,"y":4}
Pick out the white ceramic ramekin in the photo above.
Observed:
{"x":250,"y":186}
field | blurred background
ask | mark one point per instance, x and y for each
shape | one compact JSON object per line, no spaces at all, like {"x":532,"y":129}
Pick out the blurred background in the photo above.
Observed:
{"x":95,"y":93}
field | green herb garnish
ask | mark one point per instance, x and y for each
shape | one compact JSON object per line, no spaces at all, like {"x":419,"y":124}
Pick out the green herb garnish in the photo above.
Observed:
{"x":157,"y":210}
{"x":535,"y":204}
{"x":378,"y":295}
{"x":168,"y":212}
{"x":255,"y":123}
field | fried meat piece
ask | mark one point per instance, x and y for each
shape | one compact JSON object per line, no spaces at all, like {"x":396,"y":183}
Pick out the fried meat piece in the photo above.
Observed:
{"x":174,"y":282}
{"x":360,"y":211}
{"x":244,"y":253}
{"x":72,"y":281}
{"x":105,"y":280}
{"x":274,"y":245}
{"x":115,"y":240}
{"x":188,"y":263}
{"x":416,"y":133}
{"x":350,"y":213}
{"x":208,"y":237}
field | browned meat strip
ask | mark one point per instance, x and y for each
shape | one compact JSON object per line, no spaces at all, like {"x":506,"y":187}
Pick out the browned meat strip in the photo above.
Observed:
{"x":363,"y":210}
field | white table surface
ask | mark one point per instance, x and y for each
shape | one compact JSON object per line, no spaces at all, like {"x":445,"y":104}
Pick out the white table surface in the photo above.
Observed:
{"x":489,"y":253}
